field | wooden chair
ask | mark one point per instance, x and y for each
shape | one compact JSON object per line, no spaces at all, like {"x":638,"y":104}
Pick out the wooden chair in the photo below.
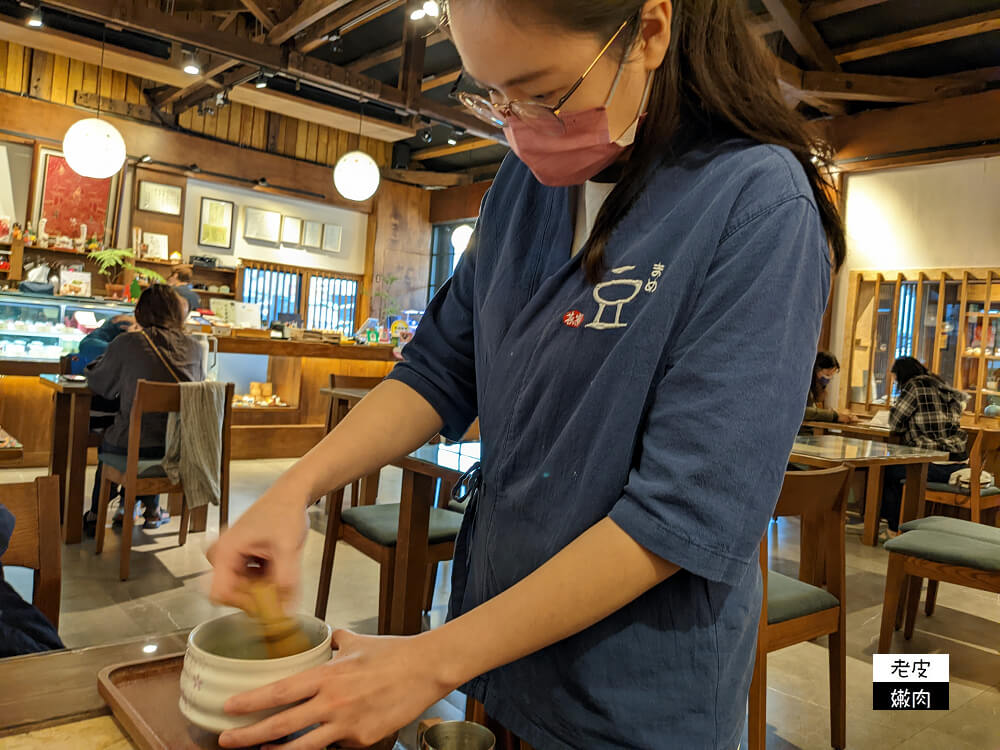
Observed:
{"x":373,"y":530}
{"x":37,"y":541}
{"x":332,"y":418}
{"x":147,"y":477}
{"x":794,"y":611}
{"x":937,"y":548}
{"x":982,"y":503}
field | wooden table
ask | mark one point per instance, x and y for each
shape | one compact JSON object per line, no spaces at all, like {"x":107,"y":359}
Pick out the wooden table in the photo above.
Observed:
{"x":342,"y":400}
{"x":858,"y":430}
{"x":68,"y":458}
{"x":422,"y":470}
{"x":10,"y":448}
{"x":60,"y":687}
{"x":825,"y":451}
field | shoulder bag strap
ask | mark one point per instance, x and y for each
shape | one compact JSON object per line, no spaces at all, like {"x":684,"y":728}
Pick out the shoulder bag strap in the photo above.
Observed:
{"x":163,"y":359}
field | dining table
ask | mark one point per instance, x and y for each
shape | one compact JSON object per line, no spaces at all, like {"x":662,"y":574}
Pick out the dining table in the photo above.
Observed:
{"x":50,"y":700}
{"x":68,"y":455}
{"x":342,"y":400}
{"x":825,"y":451}
{"x":429,"y":473}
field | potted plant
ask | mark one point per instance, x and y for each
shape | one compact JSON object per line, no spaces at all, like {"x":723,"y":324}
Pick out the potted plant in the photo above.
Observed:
{"x":117,"y":265}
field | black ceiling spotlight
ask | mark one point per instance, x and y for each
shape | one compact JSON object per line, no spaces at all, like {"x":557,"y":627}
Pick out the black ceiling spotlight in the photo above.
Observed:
{"x":193,"y":168}
{"x":426,"y":136}
{"x":34,"y":19}
{"x":262,"y":181}
{"x":222,"y":98}
{"x":336,"y":41}
{"x":263,"y":79}
{"x":298,"y":84}
{"x":145,"y":159}
{"x":191,"y":64}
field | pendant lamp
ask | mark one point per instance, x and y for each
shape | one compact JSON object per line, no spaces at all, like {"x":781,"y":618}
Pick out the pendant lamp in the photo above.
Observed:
{"x":93,"y":147}
{"x":356,"y":175}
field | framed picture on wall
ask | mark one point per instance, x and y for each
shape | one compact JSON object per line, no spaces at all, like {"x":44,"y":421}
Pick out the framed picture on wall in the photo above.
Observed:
{"x":261,"y":225}
{"x":312,"y":234}
{"x":215,"y":223}
{"x":157,"y":245}
{"x":72,"y":205}
{"x":332,"y":234}
{"x":160,"y":199}
{"x":291,"y":230}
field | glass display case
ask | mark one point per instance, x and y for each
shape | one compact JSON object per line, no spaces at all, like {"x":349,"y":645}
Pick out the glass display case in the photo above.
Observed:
{"x":42,"y":328}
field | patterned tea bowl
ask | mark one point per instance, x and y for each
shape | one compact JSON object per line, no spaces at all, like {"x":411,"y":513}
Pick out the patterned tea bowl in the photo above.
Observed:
{"x":226,"y":657}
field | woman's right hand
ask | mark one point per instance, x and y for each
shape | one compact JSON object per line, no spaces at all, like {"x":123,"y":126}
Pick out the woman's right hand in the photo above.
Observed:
{"x":845,"y":417}
{"x":267,"y":540}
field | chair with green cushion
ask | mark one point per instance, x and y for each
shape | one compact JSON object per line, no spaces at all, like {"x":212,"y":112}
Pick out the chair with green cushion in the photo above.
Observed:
{"x":939,"y":549}
{"x":794,"y":610}
{"x":981,"y":503}
{"x":373,"y":530}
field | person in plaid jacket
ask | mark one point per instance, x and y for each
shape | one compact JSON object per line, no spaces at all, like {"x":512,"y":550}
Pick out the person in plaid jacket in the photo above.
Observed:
{"x":927,"y":414}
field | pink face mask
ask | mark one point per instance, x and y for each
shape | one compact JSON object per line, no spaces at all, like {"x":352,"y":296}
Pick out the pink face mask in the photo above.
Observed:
{"x":583,"y":150}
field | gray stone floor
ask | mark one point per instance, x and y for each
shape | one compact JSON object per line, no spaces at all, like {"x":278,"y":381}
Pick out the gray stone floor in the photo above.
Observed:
{"x":166,"y":592}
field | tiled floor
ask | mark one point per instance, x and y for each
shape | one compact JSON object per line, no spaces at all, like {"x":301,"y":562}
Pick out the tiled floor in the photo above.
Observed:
{"x":165,"y":593}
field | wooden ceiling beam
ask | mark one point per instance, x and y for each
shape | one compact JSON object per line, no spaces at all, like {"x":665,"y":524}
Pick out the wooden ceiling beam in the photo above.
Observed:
{"x":260,"y":13}
{"x":441,"y":79}
{"x":869,"y":88}
{"x":818,"y":10}
{"x":308,"y":13}
{"x":390,"y":53}
{"x":348,"y":15}
{"x":425,"y":178}
{"x":411,"y":69}
{"x":436,"y":152}
{"x":802,"y":34}
{"x":957,"y":28}
{"x":197,"y":95}
{"x":169,"y":97}
{"x":208,"y":6}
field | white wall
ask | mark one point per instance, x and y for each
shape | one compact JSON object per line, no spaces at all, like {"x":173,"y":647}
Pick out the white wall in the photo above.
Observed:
{"x":936,"y":216}
{"x":350,"y":259}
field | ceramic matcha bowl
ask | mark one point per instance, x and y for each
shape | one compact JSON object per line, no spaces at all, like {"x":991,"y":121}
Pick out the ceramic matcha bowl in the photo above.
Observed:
{"x":226,"y":656}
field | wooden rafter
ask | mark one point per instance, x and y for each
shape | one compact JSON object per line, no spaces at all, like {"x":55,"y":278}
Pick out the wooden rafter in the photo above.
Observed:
{"x":411,"y":69}
{"x":208,"y":6}
{"x":802,"y":34}
{"x":346,"y":16}
{"x":937,"y":32}
{"x":441,"y":79}
{"x":818,"y":10}
{"x":425,"y":178}
{"x":260,"y":13}
{"x":199,"y":94}
{"x":168,"y":97}
{"x":308,"y":13}
{"x":869,"y":88}
{"x":461,"y":147}
{"x":228,"y":21}
{"x":389,"y":53}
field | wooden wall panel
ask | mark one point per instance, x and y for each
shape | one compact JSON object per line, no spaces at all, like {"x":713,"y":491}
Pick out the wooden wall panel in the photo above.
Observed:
{"x":172,"y":226}
{"x":403,"y":244}
{"x":458,"y":203}
{"x":26,"y":413}
{"x":282,"y":441}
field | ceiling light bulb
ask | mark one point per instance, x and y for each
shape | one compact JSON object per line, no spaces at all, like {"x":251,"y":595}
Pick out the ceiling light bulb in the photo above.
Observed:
{"x":94,"y":148}
{"x":452,"y":142}
{"x":356,"y":176}
{"x":260,"y":83}
{"x":35,"y":19}
{"x":431,"y":8}
{"x":191,"y":69}
{"x":418,"y":14}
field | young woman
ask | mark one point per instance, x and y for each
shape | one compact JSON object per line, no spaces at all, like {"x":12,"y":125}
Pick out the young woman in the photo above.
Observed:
{"x":927,"y":414}
{"x":825,"y":368}
{"x":606,"y":588}
{"x":161,"y":351}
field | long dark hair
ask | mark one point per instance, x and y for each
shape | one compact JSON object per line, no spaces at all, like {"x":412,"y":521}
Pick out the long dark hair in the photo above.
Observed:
{"x":906,"y":369}
{"x":824,"y":361}
{"x":717,"y":81}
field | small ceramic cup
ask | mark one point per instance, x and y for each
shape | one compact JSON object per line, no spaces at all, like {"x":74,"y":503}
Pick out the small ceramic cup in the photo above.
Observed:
{"x":226,"y":657}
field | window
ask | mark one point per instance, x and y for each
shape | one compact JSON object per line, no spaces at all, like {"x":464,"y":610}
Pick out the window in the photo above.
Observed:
{"x":332,"y":302}
{"x":448,"y":242}
{"x":277,"y":291}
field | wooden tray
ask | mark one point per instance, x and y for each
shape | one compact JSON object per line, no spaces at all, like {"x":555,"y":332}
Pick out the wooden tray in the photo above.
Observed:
{"x":144,"y":698}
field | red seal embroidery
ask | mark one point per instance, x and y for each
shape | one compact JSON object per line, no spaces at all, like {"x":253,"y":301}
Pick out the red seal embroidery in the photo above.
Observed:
{"x":574,"y":319}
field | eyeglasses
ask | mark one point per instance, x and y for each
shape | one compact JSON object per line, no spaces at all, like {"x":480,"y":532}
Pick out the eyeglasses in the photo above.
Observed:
{"x":541,"y":116}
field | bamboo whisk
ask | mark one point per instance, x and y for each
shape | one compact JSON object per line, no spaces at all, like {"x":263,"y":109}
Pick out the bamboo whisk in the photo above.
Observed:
{"x":282,"y":634}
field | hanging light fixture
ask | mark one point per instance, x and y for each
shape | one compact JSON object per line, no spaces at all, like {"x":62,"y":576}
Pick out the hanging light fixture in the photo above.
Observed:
{"x":191,"y":65}
{"x":93,"y":147}
{"x":35,"y":20}
{"x":356,"y":175}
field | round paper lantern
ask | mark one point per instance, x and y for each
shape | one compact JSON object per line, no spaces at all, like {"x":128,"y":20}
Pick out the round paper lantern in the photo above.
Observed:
{"x":94,"y":148}
{"x":356,"y":176}
{"x":460,"y":237}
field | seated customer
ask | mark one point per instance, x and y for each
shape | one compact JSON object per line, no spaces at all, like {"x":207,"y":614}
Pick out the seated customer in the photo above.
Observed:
{"x":825,"y":368}
{"x":159,"y":351}
{"x":927,"y":414}
{"x":95,"y":343}
{"x":180,"y":280}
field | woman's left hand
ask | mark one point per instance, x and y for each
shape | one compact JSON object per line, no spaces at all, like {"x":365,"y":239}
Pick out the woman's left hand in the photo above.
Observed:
{"x":373,"y":686}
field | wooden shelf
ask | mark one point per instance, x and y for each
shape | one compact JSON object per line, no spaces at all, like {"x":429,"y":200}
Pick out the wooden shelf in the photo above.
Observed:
{"x":159,"y":262}
{"x":230,"y":295}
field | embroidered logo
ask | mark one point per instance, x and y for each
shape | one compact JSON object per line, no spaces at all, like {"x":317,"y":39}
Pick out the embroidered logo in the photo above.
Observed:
{"x":629,"y":288}
{"x":574,"y":319}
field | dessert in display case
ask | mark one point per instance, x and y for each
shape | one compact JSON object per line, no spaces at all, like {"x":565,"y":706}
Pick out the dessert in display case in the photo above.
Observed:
{"x":42,"y":328}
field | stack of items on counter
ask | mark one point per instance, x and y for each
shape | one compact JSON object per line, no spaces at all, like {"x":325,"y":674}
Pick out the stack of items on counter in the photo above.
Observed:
{"x":261,"y":395}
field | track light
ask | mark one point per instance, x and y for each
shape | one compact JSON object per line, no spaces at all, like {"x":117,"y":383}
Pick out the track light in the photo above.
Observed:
{"x":431,"y":8}
{"x":260,"y":83}
{"x":452,"y":141}
{"x":145,"y":159}
{"x":262,"y":181}
{"x":426,"y":136}
{"x":418,"y":14}
{"x":35,"y":20}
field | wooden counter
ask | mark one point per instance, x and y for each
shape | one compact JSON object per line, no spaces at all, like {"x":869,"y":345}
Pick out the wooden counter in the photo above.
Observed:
{"x":286,"y":348}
